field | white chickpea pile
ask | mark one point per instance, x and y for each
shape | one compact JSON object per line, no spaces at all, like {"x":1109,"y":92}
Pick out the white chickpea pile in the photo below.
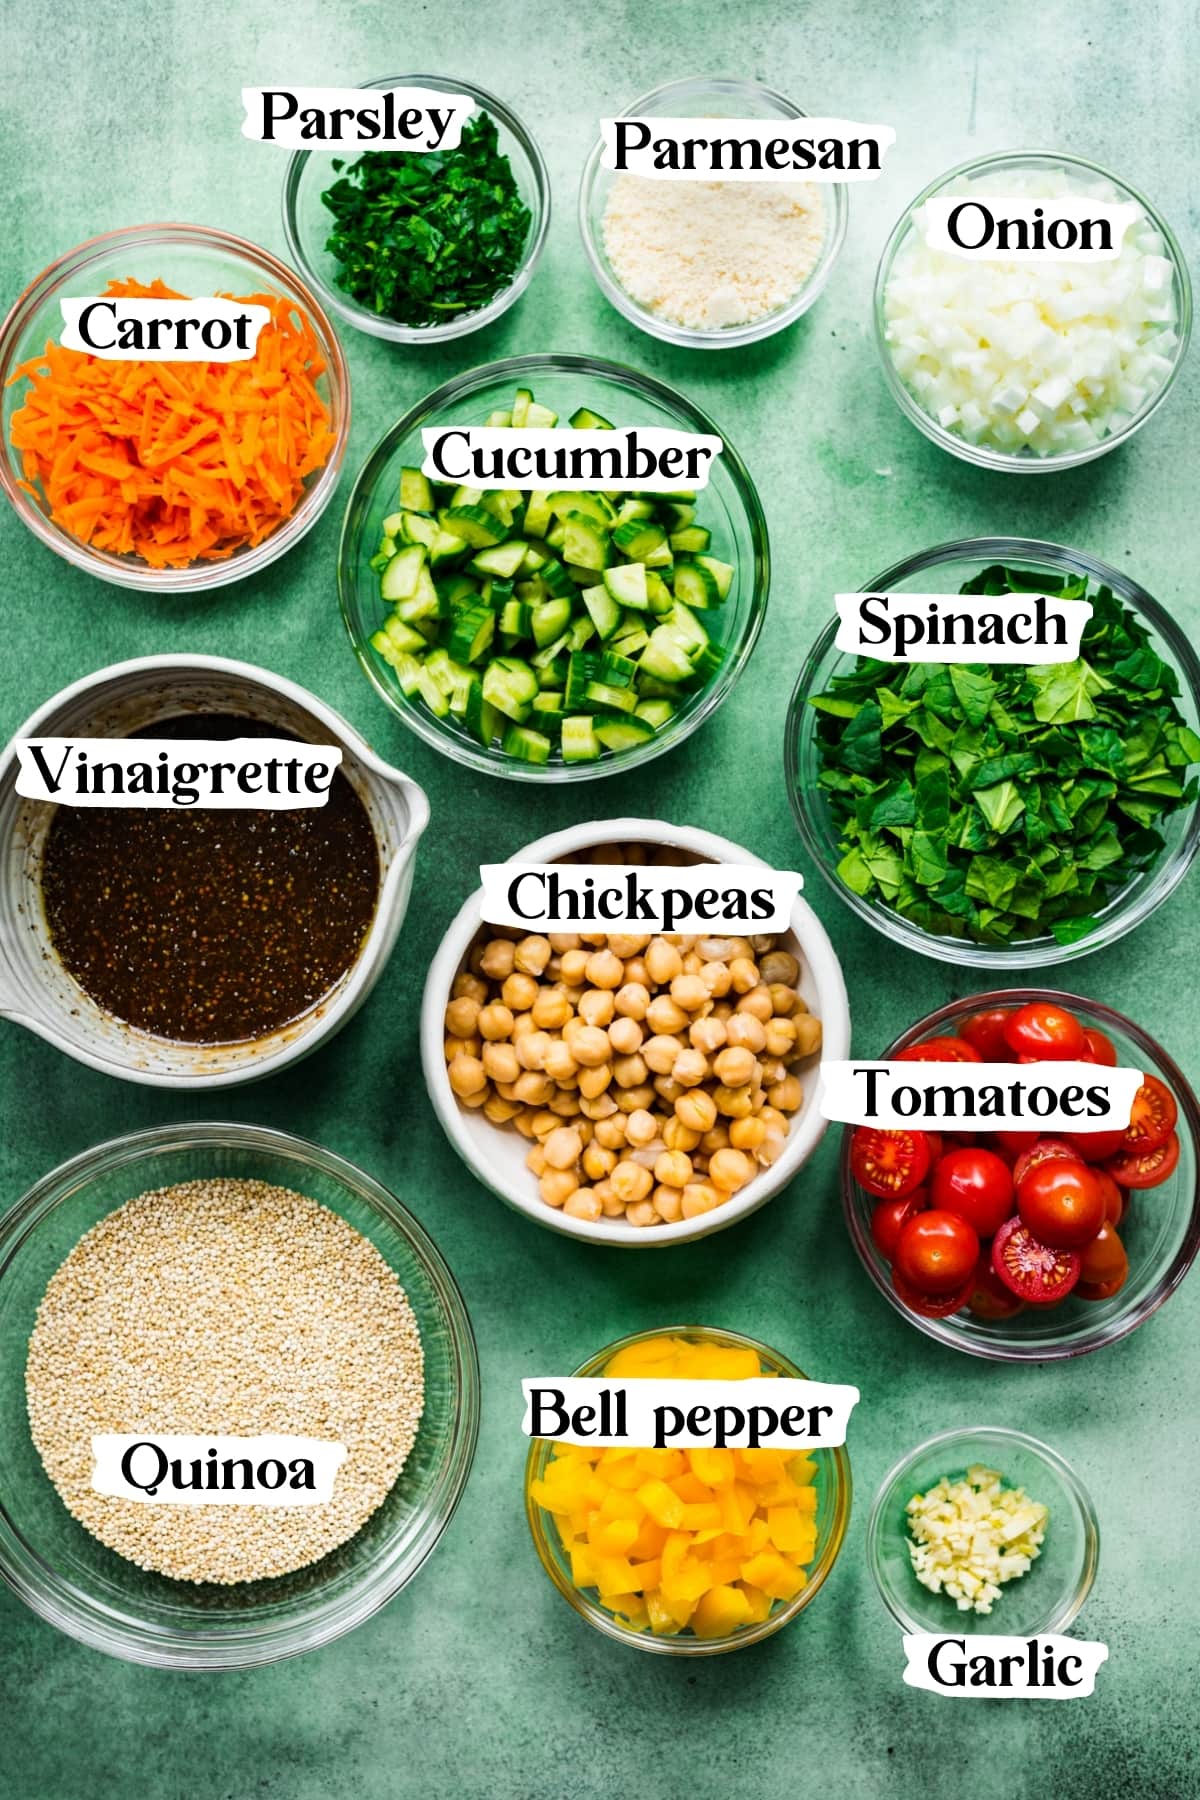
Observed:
{"x":652,"y":1075}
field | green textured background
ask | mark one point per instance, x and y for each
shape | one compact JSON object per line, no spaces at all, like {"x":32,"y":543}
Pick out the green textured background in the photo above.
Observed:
{"x":478,"y":1681}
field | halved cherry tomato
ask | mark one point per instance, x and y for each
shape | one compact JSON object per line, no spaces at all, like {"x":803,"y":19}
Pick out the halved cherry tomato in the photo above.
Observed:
{"x":1095,"y":1146}
{"x":1145,"y":1168}
{"x":1017,"y":1141}
{"x":936,"y":1252}
{"x":985,"y":1030}
{"x":888,"y":1164}
{"x":975,"y":1184}
{"x":1100,"y":1048}
{"x":1114,"y":1197}
{"x":1153,"y":1117}
{"x":890,"y":1216}
{"x":1032,"y":1271}
{"x":1061,"y":1202}
{"x":931,"y":1306}
{"x":1105,"y":1266}
{"x":940,"y":1049}
{"x":1045,"y":1032}
{"x":990,"y":1298}
{"x":1045,"y":1150}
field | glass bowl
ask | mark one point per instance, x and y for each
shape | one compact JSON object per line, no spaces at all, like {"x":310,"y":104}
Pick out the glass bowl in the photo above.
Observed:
{"x":69,"y":1577}
{"x":1160,"y":1230}
{"x":307,"y":221}
{"x":833,"y":1514}
{"x":1089,"y":176}
{"x":943,"y":570}
{"x":1050,"y":1593}
{"x":705,"y":97}
{"x":197,"y":260}
{"x":729,"y":506}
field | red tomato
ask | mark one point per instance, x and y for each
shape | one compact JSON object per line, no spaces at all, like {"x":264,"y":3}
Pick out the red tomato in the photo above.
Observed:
{"x":1145,"y":1168}
{"x":1045,"y":1032}
{"x":990,"y":1298}
{"x":1016,"y":1141}
{"x":1101,"y":1049}
{"x":888,"y":1164}
{"x":1095,"y":1146}
{"x":985,"y":1031}
{"x":890,"y":1216}
{"x":975,"y":1184}
{"x":940,"y":1049}
{"x":1061,"y":1202}
{"x":1153,"y":1117}
{"x":1105,"y":1266}
{"x":1114,"y":1197}
{"x":1044,"y":1151}
{"x":930,"y":1306}
{"x":936,"y":1252}
{"x":1032,"y":1271}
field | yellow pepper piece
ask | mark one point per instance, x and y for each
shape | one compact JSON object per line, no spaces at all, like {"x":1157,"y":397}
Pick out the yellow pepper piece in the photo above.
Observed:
{"x":618,"y":1536}
{"x":664,"y":1506}
{"x":720,"y":1611}
{"x":713,"y":1467}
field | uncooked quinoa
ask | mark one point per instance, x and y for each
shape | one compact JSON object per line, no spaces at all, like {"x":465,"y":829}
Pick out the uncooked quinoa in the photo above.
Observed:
{"x":235,"y":1308}
{"x":711,"y":254}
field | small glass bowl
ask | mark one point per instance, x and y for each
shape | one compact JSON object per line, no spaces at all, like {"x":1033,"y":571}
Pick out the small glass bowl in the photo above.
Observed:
{"x":1026,"y":462}
{"x":705,"y":97}
{"x":197,"y":260}
{"x":944,"y":570}
{"x":729,"y":506}
{"x":73,"y":1580}
{"x":1160,"y":1230}
{"x":1050,"y":1593}
{"x":307,"y":221}
{"x":833,"y":1513}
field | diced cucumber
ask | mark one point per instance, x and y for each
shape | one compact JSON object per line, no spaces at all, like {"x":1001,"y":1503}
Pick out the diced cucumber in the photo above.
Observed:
{"x":689,"y":539}
{"x":584,"y":419}
{"x":524,"y":745}
{"x":721,"y":572}
{"x":402,"y":574}
{"x":601,"y":697}
{"x":655,"y":713}
{"x":618,"y":670}
{"x":476,"y":525}
{"x":665,"y":657}
{"x":472,"y":632}
{"x":446,"y":547}
{"x":416,"y":495}
{"x":522,"y":401}
{"x":545,"y":659}
{"x":641,"y":540}
{"x":603,"y":609}
{"x":556,"y":577}
{"x":510,"y":685}
{"x":584,"y":505}
{"x":402,"y":636}
{"x":437,"y":701}
{"x":586,"y":543}
{"x":658,"y":595}
{"x":514,"y":618}
{"x":582,"y":670}
{"x":627,"y":583}
{"x":419,"y":528}
{"x":458,"y":590}
{"x":581,"y":630}
{"x":547,"y":712}
{"x":579,"y":740}
{"x":538,"y":513}
{"x":549,"y":621}
{"x":623,"y":734}
{"x":393,"y":526}
{"x":502,"y":559}
{"x":408,"y":673}
{"x":498,"y":421}
{"x":540,"y":418}
{"x":634,"y":509}
{"x":694,"y":586}
{"x":480,"y":716}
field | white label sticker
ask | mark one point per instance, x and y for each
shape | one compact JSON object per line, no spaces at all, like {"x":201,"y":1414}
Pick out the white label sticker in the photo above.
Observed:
{"x":1044,"y":1096}
{"x":756,"y":1414}
{"x":961,"y":628}
{"x":983,"y":1667}
{"x":277,"y":774}
{"x":556,"y":458}
{"x":210,"y":329}
{"x":720,"y":899}
{"x":184,"y":1469}
{"x":711,"y":149}
{"x":400,"y":118}
{"x":1021,"y":228}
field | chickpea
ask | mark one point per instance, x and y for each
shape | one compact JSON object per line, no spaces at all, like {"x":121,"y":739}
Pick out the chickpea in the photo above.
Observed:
{"x":604,"y":970}
{"x":770,"y":1069}
{"x":631,"y":1182}
{"x":596,"y":1007}
{"x":598,"y":1162}
{"x":786,"y":1095}
{"x":758,"y":1004}
{"x":590,"y":1046}
{"x":717,"y":979}
{"x":475,"y":1101}
{"x":689,"y":993}
{"x":523,"y":1120}
{"x":698,"y":1197}
{"x":641,"y":1127}
{"x":735,"y":1066}
{"x":663,"y":962}
{"x":536,"y":1160}
{"x":747,"y":1032}
{"x":551,"y":1010}
{"x":743,"y":975}
{"x":522,"y":1022}
{"x":574,"y":962}
{"x":610,"y":1132}
{"x":635,"y":1099}
{"x":642,"y":1212}
{"x":696,"y":1109}
{"x":500,"y":1062}
{"x":611,"y":1205}
{"x":781,"y":1037}
{"x":747,"y":1134}
{"x":689,"y":1068}
{"x":716,"y":1139}
{"x":602,"y":1107}
{"x":676,"y":1135}
{"x":629,"y":1071}
{"x":497,"y":959}
{"x":733,"y":1102}
{"x":625,"y":1036}
{"x":467,"y":1076}
{"x":632,"y":1000}
{"x":627,"y":943}
{"x":563,"y":940}
{"x":668,"y":1204}
{"x":532,"y":954}
{"x":461,"y":1017}
{"x":779,"y":966}
{"x":664,"y":1016}
{"x":783,"y":999}
{"x":556,"y":1185}
{"x":499,"y":1110}
{"x":565,"y":1104}
{"x":532,"y":1087}
{"x":673,"y":1169}
{"x":808,"y":1034}
{"x":583,"y":1204}
{"x":708,"y":1034}
{"x":729,"y":1170}
{"x":637,"y":975}
{"x":519,"y":991}
{"x":468,"y":987}
{"x":558,"y":1062}
{"x":659,"y":1053}
{"x":668,"y":1089}
{"x":456,"y":1046}
{"x":495,"y":1022}
{"x":563,"y":1148}
{"x":594,"y":1082}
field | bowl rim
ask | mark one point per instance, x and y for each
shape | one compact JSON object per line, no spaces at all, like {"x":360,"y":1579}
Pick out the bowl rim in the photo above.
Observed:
{"x":1060,"y":1616}
{"x":1005,"y":461}
{"x":1014,"y":1350}
{"x":378,"y":939}
{"x":512,"y":369}
{"x":198,"y":577}
{"x":391,"y":330}
{"x":818,"y":953}
{"x":94,"y":1623}
{"x":842,"y":1498}
{"x":725,"y":337}
{"x":1037,"y":953}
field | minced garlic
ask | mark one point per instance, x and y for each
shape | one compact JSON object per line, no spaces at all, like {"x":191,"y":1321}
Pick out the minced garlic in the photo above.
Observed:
{"x":966,"y":1538}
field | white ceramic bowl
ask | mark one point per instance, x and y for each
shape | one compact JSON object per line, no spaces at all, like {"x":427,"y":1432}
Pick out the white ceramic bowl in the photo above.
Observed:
{"x":35,"y":989}
{"x":495,"y":1154}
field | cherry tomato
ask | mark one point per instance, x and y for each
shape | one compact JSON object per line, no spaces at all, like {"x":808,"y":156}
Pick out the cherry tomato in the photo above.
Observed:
{"x":1045,"y":1032}
{"x":931,"y":1306}
{"x":1062,"y":1203}
{"x":985,"y":1030}
{"x":940,"y":1049}
{"x":990,"y":1298}
{"x":975,"y":1184}
{"x":1044,"y":1151}
{"x":1153,"y":1117}
{"x":1016,"y":1141}
{"x":1100,"y":1048}
{"x":888,"y":1164}
{"x":1095,"y":1146}
{"x":1145,"y":1168}
{"x":936,"y":1252}
{"x":1114,"y":1197}
{"x":1105,"y":1266}
{"x":890,"y":1216}
{"x":1032,"y":1271}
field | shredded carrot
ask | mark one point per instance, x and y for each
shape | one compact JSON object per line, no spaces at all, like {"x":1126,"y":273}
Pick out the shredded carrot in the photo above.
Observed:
{"x":175,"y":462}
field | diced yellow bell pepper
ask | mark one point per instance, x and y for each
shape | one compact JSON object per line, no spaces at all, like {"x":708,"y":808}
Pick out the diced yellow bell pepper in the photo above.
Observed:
{"x":720,"y":1611}
{"x":760,"y":1603}
{"x":618,"y":1536}
{"x":662,"y":1620}
{"x":774,"y":1575}
{"x":663,"y":1506}
{"x":702,"y":1517}
{"x":713,"y":1467}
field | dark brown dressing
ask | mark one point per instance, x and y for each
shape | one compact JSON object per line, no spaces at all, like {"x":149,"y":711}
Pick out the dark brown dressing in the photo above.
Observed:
{"x":211,"y":926}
